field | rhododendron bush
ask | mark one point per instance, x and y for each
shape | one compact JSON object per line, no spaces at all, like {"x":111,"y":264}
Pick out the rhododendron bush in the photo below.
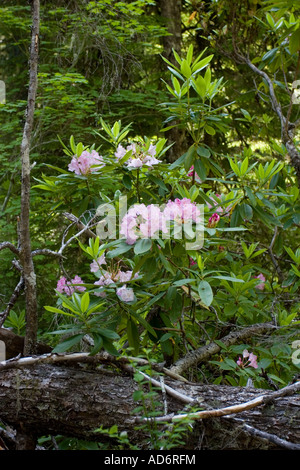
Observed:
{"x":175,"y":254}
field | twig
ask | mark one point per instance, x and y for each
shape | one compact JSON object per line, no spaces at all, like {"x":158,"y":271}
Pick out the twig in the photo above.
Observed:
{"x":269,"y":437}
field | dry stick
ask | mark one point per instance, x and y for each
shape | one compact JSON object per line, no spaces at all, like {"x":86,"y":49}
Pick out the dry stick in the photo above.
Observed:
{"x":267,"y":436}
{"x":52,"y":358}
{"x":25,"y":242}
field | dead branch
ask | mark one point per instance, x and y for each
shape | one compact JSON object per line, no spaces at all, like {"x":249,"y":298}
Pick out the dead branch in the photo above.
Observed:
{"x":193,"y":358}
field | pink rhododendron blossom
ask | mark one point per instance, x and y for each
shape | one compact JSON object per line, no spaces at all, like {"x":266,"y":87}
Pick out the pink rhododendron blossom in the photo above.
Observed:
{"x":108,"y":278}
{"x":69,"y":287}
{"x":260,"y":286}
{"x":125,"y":294}
{"x":95,"y":265}
{"x":142,"y":221}
{"x":253,"y":361}
{"x":182,"y":210}
{"x":140,"y":155}
{"x":213,"y":220}
{"x":248,"y":360}
{"x":125,"y":276}
{"x":82,"y":165}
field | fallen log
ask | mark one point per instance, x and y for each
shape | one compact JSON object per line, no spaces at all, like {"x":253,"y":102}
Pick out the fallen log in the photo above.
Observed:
{"x":75,"y":400}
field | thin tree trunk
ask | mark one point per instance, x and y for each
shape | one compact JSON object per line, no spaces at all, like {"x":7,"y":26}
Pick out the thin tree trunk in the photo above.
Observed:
{"x":24,"y":233}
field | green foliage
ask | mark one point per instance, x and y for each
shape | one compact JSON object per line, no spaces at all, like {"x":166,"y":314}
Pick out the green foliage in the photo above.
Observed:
{"x":16,"y":321}
{"x":102,"y":89}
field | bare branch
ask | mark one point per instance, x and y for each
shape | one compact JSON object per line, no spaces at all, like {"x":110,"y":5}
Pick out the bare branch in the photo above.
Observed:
{"x":10,"y":246}
{"x":79,"y":224}
{"x":275,"y":103}
{"x":267,"y":436}
{"x":45,"y":252}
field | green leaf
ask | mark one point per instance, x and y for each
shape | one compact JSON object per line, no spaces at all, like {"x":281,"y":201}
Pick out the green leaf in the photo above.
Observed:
{"x":205,"y":293}
{"x":229,"y":278}
{"x":133,"y":335}
{"x":203,"y":152}
{"x":210,"y":130}
{"x":98,"y":343}
{"x":120,"y":250}
{"x":185,"y":69}
{"x":142,"y":246}
{"x":199,"y":65}
{"x":177,"y":162}
{"x":246,"y":211}
{"x":68,"y":343}
{"x":294,"y":41}
{"x":57,"y":310}
{"x":85,"y":302}
{"x":109,"y":347}
{"x":200,"y":169}
{"x":143,"y":322}
{"x":110,"y":334}
{"x":189,"y":158}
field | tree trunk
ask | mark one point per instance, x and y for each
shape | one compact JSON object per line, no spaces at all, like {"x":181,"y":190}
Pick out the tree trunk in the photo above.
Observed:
{"x":73,"y":401}
{"x":24,"y":228}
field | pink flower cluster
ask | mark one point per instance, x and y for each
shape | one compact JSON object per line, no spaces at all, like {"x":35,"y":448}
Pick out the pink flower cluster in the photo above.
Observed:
{"x":182,"y":210}
{"x":84,"y":164}
{"x":69,"y":287}
{"x":126,"y":294}
{"x":140,"y":156}
{"x":95,"y":265}
{"x":143,"y":221}
{"x":248,"y":360}
{"x":107,"y":278}
{"x":261,"y":285}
